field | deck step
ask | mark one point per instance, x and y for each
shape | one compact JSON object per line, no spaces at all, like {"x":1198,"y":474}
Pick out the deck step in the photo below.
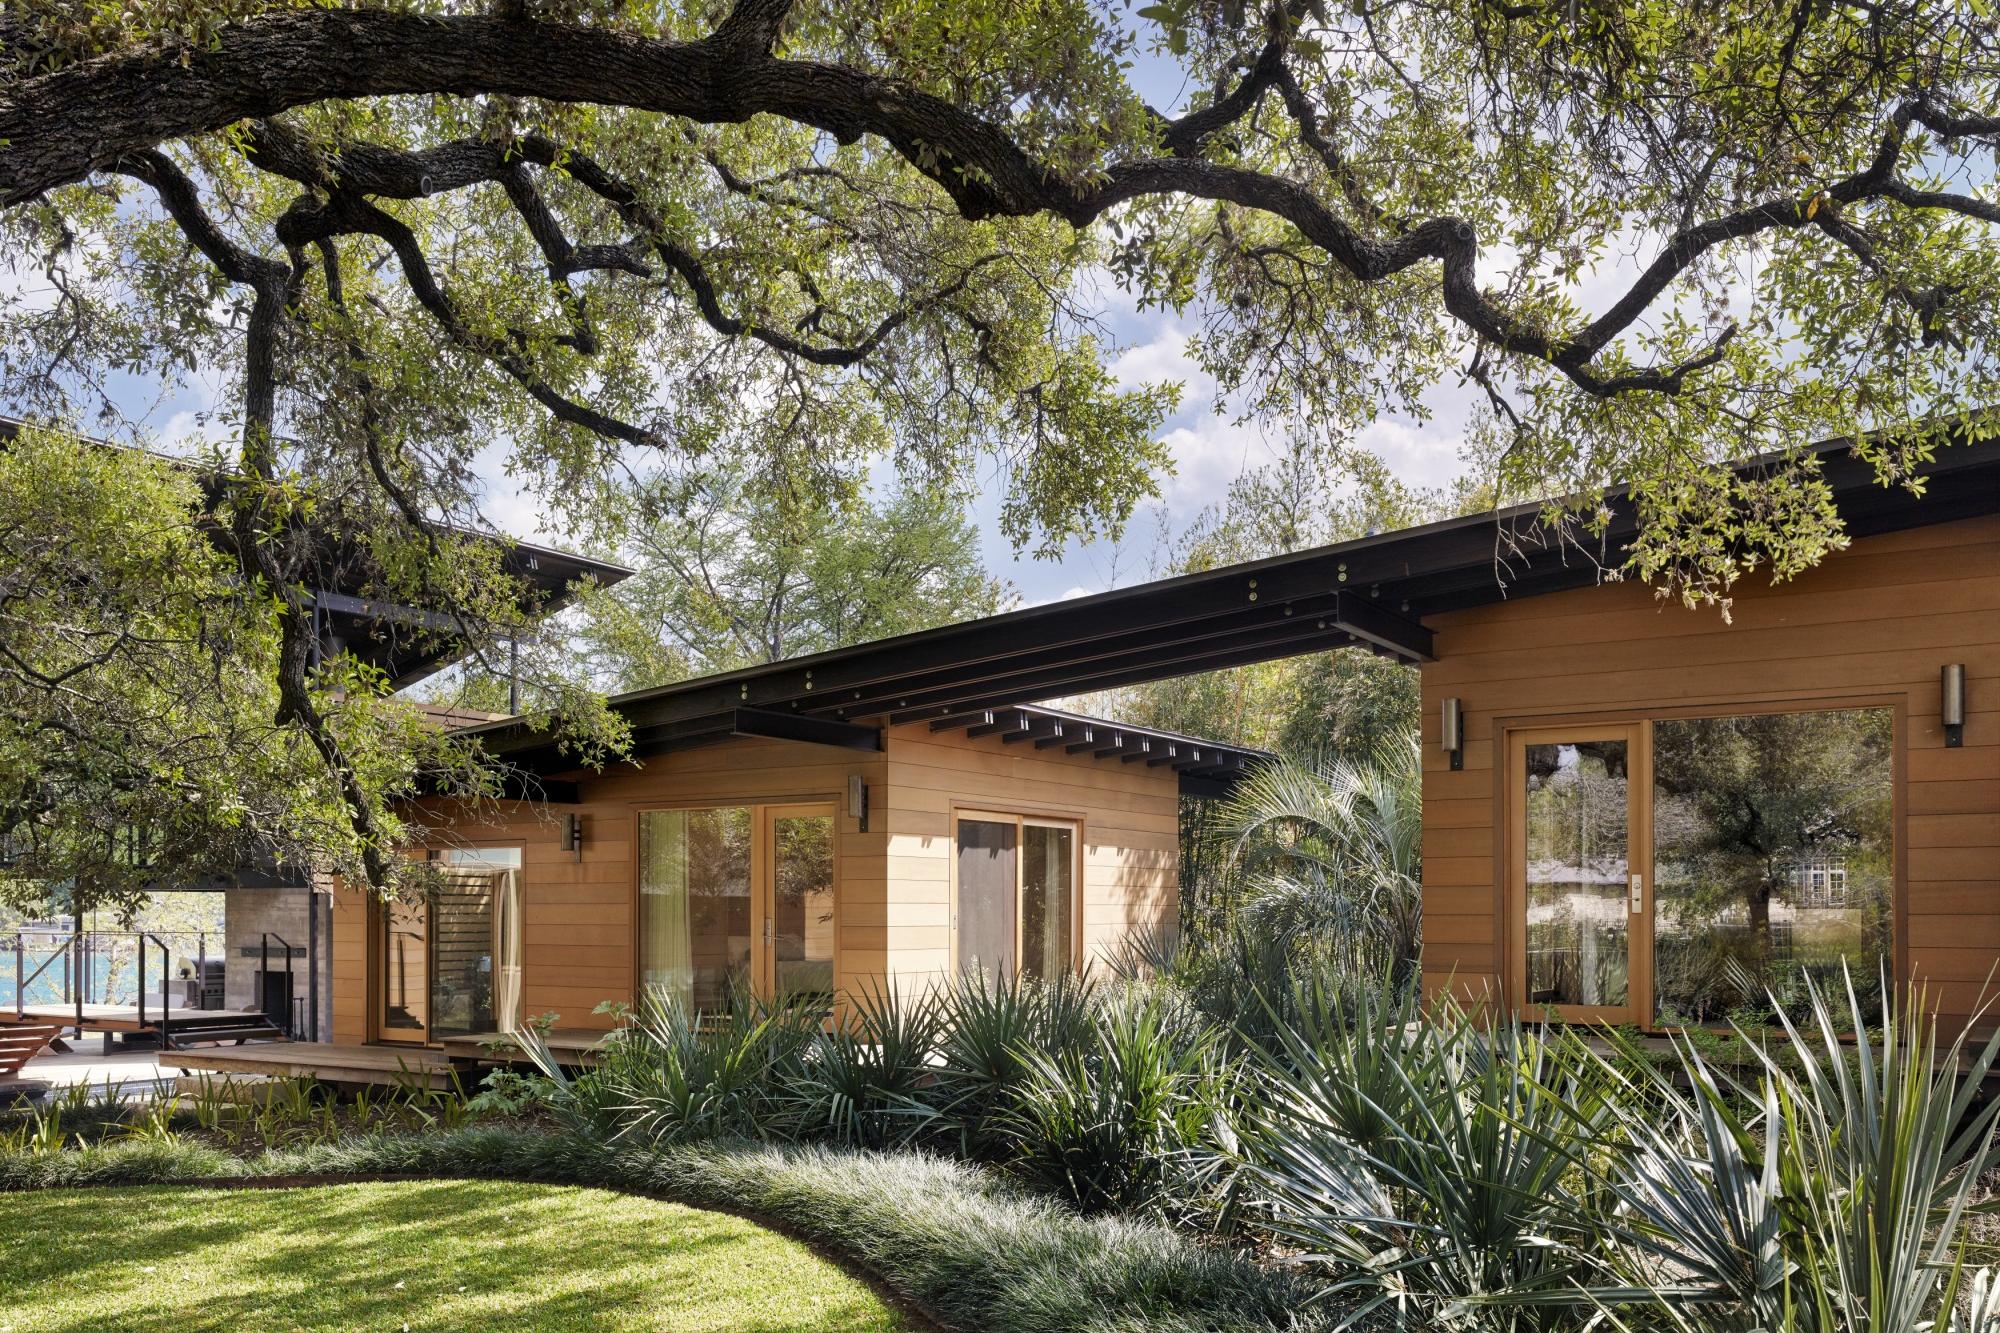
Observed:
{"x":20,"y":1043}
{"x":182,"y":1032}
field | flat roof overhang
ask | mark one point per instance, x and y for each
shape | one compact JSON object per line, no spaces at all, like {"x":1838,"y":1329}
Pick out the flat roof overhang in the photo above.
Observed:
{"x":1374,"y":592}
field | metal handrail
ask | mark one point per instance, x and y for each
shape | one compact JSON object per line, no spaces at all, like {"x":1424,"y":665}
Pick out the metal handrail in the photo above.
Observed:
{"x":264,"y":965}
{"x":21,"y":982}
{"x":166,"y":967}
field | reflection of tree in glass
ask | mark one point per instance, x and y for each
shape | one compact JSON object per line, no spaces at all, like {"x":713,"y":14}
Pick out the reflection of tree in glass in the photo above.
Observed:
{"x":1743,"y":806}
{"x":719,"y":852}
{"x":1576,"y":853}
{"x":804,"y":858}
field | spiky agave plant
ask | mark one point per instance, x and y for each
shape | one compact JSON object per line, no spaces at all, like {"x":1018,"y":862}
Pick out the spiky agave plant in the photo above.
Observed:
{"x":1122,"y":1119}
{"x":990,"y":1027}
{"x":1426,"y":1168}
{"x":672,"y":1075}
{"x":869,"y":1079}
{"x":1826,"y":1191}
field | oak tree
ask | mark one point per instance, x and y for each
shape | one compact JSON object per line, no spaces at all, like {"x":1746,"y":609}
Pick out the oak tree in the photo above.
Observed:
{"x":1655,"y":238}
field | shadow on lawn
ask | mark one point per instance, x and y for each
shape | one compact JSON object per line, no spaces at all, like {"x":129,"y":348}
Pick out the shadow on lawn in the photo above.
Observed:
{"x":429,"y":1254}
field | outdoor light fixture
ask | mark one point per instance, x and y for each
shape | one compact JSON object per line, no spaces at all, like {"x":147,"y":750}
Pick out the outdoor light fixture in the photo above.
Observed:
{"x":857,"y":801}
{"x":1452,"y":734}
{"x":1951,"y":703}
{"x":572,"y":835}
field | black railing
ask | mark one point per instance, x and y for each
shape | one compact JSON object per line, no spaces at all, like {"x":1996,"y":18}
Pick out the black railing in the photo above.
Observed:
{"x":264,"y":978}
{"x":166,"y":968}
{"x":24,"y":979}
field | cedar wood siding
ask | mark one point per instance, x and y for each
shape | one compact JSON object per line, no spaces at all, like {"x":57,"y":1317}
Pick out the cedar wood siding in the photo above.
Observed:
{"x":1872,"y":624}
{"x":1130,"y":837}
{"x":893,"y":888}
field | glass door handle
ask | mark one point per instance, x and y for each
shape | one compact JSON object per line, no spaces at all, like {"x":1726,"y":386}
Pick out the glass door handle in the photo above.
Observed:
{"x":1638,"y":893}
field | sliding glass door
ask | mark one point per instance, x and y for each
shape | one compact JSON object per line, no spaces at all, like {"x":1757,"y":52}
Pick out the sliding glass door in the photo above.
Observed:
{"x":737,"y":898}
{"x":1014,"y":896}
{"x":449,"y":964}
{"x":1702,"y":870}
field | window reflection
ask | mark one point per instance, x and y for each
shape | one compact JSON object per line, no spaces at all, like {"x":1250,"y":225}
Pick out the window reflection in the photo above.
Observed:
{"x":1577,"y":860}
{"x":1773,"y":860}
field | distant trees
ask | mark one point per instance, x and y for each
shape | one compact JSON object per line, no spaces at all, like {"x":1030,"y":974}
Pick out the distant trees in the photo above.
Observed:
{"x":731,"y":573}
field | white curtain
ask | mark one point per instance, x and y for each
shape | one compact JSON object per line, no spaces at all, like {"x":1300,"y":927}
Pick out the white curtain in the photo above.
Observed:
{"x":666,"y":944}
{"x":507,"y":931}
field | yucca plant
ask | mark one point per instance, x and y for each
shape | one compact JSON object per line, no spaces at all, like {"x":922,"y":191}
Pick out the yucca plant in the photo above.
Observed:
{"x":868,"y":1081}
{"x":990,"y":1027}
{"x":669,"y":1075}
{"x":1123,"y":1120}
{"x":1827,"y":1191}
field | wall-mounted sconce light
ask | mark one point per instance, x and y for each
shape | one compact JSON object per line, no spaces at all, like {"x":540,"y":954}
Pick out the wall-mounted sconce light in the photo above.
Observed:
{"x":1451,"y":735}
{"x":572,"y":835}
{"x":857,"y":801}
{"x":1951,"y":703}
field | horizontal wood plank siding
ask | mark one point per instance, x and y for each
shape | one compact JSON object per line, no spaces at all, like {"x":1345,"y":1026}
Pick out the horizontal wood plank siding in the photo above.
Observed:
{"x":1130,"y":815}
{"x":1875,"y":622}
{"x":894,"y":922}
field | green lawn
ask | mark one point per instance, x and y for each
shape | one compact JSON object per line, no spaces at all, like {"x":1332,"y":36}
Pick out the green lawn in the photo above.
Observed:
{"x":418,"y":1255}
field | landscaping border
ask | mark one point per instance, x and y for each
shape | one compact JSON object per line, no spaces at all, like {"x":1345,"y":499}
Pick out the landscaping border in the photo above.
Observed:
{"x":948,"y":1242}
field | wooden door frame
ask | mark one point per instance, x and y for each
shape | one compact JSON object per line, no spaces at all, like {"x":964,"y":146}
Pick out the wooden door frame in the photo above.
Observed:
{"x":764,"y":819}
{"x":1021,"y":819}
{"x":378,"y":977}
{"x":373,"y":964}
{"x":761,"y":972}
{"x":1638,"y":735}
{"x":1512,"y":964}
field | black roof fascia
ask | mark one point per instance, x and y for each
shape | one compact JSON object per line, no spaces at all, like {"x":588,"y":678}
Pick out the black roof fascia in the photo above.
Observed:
{"x":1377,"y":588}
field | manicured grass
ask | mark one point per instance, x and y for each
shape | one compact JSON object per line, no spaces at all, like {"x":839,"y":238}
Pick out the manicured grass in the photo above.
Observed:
{"x":422,"y":1255}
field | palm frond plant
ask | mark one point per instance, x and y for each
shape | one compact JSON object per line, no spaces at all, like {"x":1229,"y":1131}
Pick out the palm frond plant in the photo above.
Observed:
{"x":1329,"y":858}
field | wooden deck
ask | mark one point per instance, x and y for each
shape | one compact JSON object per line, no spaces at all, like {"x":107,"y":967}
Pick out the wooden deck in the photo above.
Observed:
{"x":338,"y":1066}
{"x":115,"y":1017}
{"x":573,"y":1047}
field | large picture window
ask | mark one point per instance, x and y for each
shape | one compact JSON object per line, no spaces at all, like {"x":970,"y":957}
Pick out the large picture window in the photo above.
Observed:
{"x":738,"y":898}
{"x":1773,"y":861}
{"x":1016,"y":896}
{"x":694,"y":904}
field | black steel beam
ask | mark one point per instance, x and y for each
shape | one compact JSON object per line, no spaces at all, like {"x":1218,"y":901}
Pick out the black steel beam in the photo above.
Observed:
{"x":904,"y":692}
{"x":1279,"y":639}
{"x":1041,"y":730}
{"x":1316,"y":641}
{"x":1086,"y":739}
{"x":811,"y":730}
{"x":1007,"y":720}
{"x":1368,"y":620}
{"x":1130,"y":756}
